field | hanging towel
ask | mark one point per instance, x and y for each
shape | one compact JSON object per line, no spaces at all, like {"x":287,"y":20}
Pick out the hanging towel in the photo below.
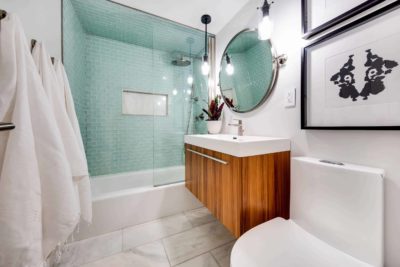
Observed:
{"x":85,"y":196}
{"x":38,"y":204}
{"x":76,"y":158}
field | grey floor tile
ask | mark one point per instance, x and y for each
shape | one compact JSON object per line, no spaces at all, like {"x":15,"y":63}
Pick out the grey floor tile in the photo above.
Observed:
{"x":205,"y":260}
{"x":124,"y":259}
{"x":199,"y":216}
{"x":223,"y":254}
{"x":150,"y":255}
{"x":194,"y":242}
{"x":144,"y":233}
{"x":80,"y":252}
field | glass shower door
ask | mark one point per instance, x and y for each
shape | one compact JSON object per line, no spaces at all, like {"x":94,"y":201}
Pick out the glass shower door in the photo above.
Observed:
{"x":177,"y":64}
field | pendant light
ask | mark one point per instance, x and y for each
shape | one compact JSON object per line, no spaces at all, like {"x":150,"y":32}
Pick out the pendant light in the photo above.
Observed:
{"x":205,"y":67}
{"x":229,"y":67}
{"x":265,"y":26}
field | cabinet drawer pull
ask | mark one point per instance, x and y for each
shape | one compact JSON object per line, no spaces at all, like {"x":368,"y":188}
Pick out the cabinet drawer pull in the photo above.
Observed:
{"x":207,"y":156}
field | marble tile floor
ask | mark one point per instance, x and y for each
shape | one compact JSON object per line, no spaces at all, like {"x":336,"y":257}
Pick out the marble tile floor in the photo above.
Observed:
{"x":190,"y":239}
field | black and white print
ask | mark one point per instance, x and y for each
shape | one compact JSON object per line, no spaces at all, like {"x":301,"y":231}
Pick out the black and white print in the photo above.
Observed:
{"x":365,"y":75}
{"x":376,"y":70}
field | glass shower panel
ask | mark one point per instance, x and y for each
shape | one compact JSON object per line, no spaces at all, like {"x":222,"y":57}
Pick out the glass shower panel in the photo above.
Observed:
{"x":176,"y":56}
{"x":138,"y":89}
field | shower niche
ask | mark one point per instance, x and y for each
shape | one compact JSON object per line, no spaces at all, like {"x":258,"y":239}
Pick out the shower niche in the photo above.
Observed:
{"x":137,"y":85}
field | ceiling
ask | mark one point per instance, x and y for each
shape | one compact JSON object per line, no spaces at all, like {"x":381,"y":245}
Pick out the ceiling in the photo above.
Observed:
{"x":113,"y":21}
{"x":189,"y":12}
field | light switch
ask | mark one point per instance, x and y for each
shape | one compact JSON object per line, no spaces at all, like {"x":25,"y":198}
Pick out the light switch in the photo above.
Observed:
{"x":290,"y":98}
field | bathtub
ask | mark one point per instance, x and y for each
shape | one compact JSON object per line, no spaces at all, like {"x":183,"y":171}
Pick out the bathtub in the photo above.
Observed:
{"x":128,"y":199}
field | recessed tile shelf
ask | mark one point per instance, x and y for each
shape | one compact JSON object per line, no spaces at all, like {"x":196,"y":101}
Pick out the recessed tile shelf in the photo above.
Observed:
{"x":139,"y":103}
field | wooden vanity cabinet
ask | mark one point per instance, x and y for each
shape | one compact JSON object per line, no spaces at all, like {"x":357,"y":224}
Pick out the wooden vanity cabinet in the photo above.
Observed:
{"x":241,"y":192}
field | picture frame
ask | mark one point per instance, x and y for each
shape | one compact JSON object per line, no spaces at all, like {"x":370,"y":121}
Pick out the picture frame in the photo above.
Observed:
{"x":310,"y":31}
{"x":368,"y":98}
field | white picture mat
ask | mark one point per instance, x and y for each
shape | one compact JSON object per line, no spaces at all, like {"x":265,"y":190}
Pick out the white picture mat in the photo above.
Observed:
{"x":383,"y":113}
{"x":322,"y":11}
{"x":137,"y":103}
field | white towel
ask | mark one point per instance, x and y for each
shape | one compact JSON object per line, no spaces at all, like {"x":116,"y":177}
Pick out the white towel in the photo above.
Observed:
{"x":76,"y":158}
{"x":38,"y":204}
{"x":85,"y":196}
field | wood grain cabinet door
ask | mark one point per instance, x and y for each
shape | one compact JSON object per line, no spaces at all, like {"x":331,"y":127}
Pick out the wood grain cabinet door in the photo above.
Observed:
{"x":240,"y":192}
{"x":266,"y":186}
{"x":214,"y":179}
{"x":227,"y":183}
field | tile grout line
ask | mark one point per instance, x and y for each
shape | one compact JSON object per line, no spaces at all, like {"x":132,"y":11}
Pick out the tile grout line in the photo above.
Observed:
{"x":221,"y":247}
{"x":160,"y":239}
{"x":122,"y":250}
{"x":212,"y":255}
{"x":166,"y":254}
{"x":207,"y":252}
{"x":104,"y":257}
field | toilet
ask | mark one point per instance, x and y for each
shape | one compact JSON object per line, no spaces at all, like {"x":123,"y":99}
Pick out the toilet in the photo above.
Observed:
{"x":336,"y":219}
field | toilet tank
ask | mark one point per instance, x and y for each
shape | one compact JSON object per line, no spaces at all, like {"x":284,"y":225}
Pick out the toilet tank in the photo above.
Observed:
{"x":342,"y":205}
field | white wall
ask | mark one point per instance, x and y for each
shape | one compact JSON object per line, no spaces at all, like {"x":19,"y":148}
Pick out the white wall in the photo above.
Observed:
{"x":41,"y":20}
{"x":373,"y":148}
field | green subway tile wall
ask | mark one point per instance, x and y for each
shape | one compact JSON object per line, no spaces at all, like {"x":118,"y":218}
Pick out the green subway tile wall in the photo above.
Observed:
{"x":74,"y":47}
{"x":115,"y":142}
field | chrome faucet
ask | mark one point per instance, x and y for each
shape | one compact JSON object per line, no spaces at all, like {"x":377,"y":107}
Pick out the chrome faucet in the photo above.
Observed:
{"x":239,"y":125}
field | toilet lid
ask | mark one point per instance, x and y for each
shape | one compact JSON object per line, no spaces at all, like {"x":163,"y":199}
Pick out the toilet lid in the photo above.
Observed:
{"x":282,"y":243}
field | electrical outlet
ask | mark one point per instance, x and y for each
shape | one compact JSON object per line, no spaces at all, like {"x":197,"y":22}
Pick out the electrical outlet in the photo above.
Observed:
{"x":290,"y":98}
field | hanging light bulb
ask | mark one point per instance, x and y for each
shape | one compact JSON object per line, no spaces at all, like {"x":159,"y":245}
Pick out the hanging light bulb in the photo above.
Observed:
{"x":265,"y":27}
{"x":229,"y":67}
{"x":190,"y":79}
{"x":205,"y":68}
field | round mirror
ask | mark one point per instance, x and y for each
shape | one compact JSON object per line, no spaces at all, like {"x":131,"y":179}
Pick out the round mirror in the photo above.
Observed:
{"x":248,"y":71}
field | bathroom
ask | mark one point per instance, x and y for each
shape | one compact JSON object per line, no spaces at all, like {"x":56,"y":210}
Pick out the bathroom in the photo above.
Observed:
{"x":139,"y":85}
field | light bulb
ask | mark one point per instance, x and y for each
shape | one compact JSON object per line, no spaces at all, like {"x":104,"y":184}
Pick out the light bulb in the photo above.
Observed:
{"x":265,"y":28}
{"x":229,"y":69}
{"x":205,"y":68}
{"x":210,"y":82}
{"x":190,"y":80}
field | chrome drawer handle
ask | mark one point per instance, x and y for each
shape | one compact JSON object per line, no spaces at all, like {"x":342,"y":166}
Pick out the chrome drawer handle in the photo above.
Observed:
{"x":207,"y":156}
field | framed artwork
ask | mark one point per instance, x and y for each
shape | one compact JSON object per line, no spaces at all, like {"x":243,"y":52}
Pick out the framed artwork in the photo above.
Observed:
{"x":351,"y":77}
{"x":320,"y":15}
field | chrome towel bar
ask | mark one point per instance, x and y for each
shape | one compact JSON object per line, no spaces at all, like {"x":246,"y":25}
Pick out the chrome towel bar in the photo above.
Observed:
{"x":207,"y":156}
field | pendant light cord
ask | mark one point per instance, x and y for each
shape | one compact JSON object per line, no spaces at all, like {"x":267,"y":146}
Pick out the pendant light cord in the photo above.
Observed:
{"x":206,"y":43}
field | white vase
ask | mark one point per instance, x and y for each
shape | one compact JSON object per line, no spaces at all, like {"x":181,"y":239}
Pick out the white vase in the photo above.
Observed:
{"x":214,"y":127}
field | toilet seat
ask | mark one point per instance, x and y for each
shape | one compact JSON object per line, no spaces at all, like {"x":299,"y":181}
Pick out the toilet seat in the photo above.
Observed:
{"x":282,"y":243}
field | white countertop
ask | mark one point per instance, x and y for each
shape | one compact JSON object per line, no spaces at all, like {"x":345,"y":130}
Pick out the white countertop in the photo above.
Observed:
{"x":239,"y":146}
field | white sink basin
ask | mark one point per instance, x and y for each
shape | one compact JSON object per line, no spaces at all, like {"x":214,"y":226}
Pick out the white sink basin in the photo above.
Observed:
{"x":239,"y":146}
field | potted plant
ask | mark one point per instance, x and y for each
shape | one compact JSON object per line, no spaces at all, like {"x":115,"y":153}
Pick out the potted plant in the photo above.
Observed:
{"x":214,"y":112}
